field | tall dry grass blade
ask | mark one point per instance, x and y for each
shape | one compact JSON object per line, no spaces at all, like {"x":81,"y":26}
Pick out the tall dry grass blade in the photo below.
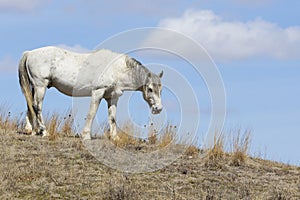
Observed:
{"x":168,"y":136}
{"x":216,"y":152}
{"x":68,"y":127}
{"x":7,"y":121}
{"x":240,"y":146}
{"x":218,"y":149}
{"x":52,"y":124}
{"x":152,"y":134}
{"x":126,"y":136}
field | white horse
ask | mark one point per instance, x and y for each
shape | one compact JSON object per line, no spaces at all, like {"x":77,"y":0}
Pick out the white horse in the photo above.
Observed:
{"x":99,"y":74}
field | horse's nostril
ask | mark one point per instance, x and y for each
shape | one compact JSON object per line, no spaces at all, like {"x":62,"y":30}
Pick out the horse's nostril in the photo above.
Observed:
{"x":158,"y":109}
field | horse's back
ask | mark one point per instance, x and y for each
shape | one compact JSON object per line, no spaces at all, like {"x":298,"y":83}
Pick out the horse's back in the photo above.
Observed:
{"x":53,"y":55}
{"x":69,"y":71}
{"x":53,"y":66}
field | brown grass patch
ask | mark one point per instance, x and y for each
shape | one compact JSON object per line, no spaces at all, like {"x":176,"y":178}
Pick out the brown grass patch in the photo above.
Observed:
{"x":216,"y":152}
{"x":34,"y":168}
{"x":240,"y":147}
{"x":237,"y":153}
{"x":58,"y":125}
{"x":52,"y":125}
{"x":7,"y":122}
{"x":126,"y":137}
{"x":168,"y":136}
{"x":68,"y":126}
{"x":192,"y":151}
{"x":152,"y":135}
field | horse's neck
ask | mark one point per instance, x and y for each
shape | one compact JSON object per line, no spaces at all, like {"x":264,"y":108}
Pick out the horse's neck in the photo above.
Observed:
{"x":138,"y":76}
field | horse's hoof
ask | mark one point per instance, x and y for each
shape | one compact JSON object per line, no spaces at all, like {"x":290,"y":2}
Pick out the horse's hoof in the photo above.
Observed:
{"x":86,"y":137}
{"x":45,"y":134}
{"x":115,"y":138}
{"x":28,"y":131}
{"x":33,"y":133}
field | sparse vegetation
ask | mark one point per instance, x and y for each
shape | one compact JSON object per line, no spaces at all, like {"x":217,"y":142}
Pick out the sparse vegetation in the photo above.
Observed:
{"x":152,"y":136}
{"x":192,"y":151}
{"x":240,"y":147}
{"x":168,"y":136}
{"x":60,"y":125}
{"x":7,"y":122}
{"x":68,"y":127}
{"x":61,"y":168}
{"x":126,"y":137}
{"x":52,"y":125}
{"x":238,"y":152}
{"x":215,"y":152}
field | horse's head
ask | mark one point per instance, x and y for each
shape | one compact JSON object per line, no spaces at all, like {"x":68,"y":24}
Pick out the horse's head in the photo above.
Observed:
{"x":152,"y":92}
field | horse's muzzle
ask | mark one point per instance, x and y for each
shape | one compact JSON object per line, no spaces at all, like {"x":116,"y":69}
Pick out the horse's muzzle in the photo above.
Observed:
{"x":156,"y":109}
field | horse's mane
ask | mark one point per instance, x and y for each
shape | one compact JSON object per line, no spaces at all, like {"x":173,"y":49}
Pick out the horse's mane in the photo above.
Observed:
{"x":132,"y":63}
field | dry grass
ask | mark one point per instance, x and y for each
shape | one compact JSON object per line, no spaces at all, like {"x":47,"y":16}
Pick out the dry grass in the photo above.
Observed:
{"x":52,"y":124}
{"x":216,"y":152}
{"x":68,"y":127}
{"x":126,"y":137}
{"x":240,"y":147}
{"x":7,"y":122}
{"x":192,"y":151}
{"x":238,"y":153}
{"x":168,"y":136}
{"x":59,"y":125}
{"x":62,"y":168}
{"x":37,"y":168}
{"x":152,"y":134}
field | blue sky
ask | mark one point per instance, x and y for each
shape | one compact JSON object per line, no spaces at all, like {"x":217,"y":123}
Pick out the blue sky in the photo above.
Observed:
{"x":255,"y":45}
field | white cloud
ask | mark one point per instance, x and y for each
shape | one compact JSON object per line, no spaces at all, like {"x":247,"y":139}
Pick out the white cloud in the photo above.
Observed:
{"x":76,"y":48}
{"x":234,"y":40}
{"x":20,"y":5}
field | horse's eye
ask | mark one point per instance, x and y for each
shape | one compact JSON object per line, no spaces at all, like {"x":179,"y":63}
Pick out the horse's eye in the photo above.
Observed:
{"x":150,"y":90}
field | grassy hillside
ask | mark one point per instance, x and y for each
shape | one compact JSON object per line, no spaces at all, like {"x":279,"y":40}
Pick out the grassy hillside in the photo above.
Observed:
{"x":61,"y":167}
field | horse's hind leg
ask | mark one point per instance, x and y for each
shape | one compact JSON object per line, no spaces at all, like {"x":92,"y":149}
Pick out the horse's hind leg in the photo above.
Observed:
{"x":29,"y":124}
{"x":38,"y":97}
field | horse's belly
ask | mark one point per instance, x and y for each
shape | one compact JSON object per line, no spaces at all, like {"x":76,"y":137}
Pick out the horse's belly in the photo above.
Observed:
{"x":68,"y":80}
{"x":72,"y":89}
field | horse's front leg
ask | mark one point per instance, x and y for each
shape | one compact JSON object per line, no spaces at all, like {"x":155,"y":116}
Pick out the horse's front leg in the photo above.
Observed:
{"x":95,"y":101}
{"x":112,"y":109}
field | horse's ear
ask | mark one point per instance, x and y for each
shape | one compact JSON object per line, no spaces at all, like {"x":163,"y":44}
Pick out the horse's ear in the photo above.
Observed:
{"x":161,"y":74}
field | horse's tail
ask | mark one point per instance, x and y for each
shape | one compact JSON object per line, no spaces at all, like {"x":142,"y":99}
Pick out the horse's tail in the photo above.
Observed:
{"x":25,"y":84}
